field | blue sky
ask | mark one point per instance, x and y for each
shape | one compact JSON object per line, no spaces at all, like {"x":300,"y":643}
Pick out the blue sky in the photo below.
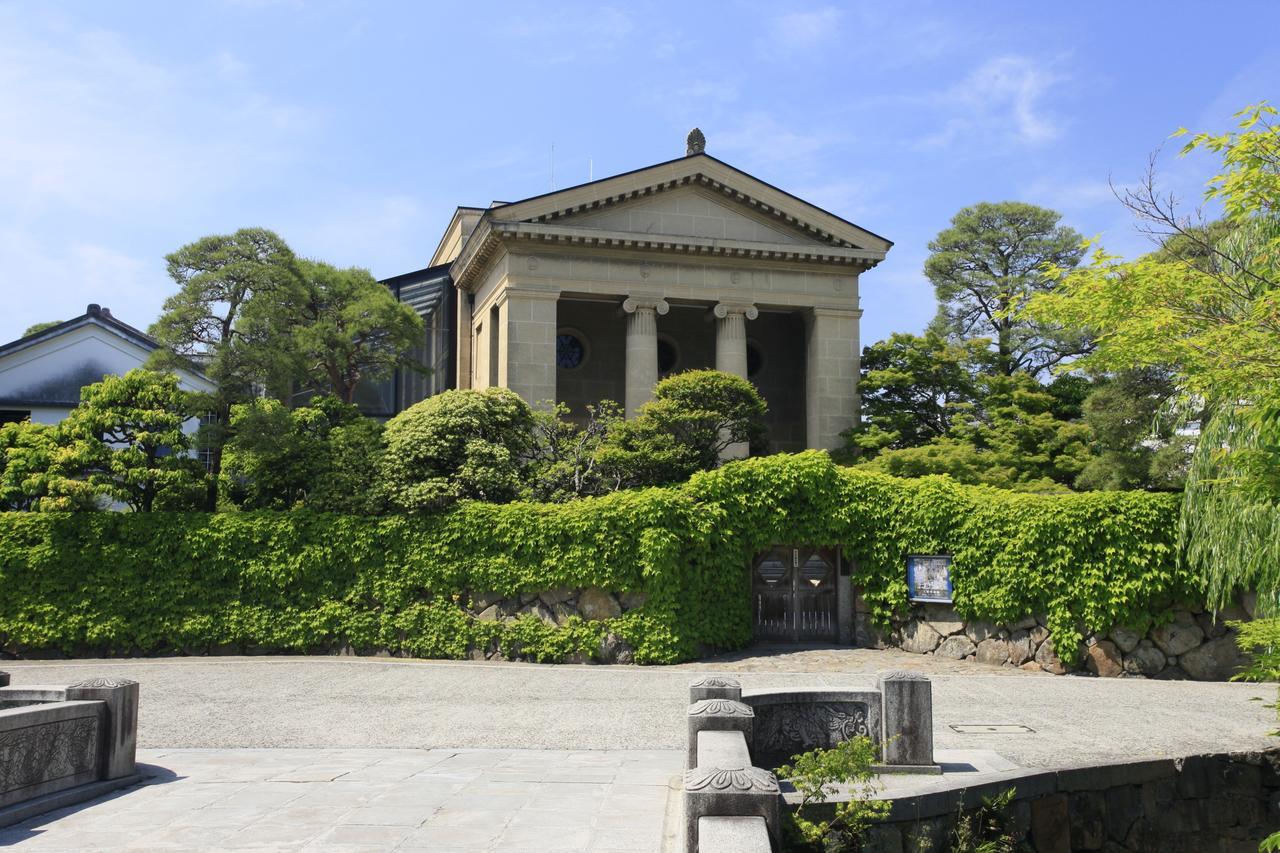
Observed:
{"x":354,"y":129}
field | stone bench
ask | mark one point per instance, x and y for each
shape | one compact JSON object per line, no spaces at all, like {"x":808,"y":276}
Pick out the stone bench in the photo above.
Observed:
{"x":732,"y":835}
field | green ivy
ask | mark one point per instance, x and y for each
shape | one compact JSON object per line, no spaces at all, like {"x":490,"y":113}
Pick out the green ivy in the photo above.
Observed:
{"x":303,"y":581}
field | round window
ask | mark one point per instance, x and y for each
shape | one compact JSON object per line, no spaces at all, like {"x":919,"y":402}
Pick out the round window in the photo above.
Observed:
{"x":571,"y":350}
{"x":668,"y":356}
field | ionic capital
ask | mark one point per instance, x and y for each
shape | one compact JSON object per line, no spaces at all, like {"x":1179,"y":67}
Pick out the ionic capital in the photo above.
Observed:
{"x":632,"y":304}
{"x":746,"y":309}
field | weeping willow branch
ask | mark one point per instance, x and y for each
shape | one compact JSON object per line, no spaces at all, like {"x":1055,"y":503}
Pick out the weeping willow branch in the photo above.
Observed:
{"x":1229,"y":530}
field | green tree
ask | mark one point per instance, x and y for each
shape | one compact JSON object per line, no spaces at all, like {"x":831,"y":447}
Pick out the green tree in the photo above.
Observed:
{"x":40,"y":327}
{"x":126,"y":439}
{"x":1012,"y":440}
{"x":985,"y":268}
{"x":324,"y":456}
{"x":913,"y":387}
{"x":1208,"y":307}
{"x":459,"y":444}
{"x":1134,"y":448}
{"x":343,"y":328}
{"x":566,"y":462}
{"x":30,"y":479}
{"x":692,"y":419}
{"x":228,"y":283}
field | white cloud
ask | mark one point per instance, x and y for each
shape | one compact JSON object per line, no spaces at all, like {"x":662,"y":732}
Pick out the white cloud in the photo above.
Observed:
{"x":759,"y":138}
{"x":1001,"y":100}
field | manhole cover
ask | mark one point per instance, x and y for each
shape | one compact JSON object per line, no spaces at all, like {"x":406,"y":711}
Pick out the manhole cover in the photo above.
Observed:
{"x":991,"y":729}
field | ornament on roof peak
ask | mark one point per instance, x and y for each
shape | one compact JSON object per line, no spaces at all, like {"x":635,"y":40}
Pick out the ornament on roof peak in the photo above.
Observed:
{"x":696,"y":143}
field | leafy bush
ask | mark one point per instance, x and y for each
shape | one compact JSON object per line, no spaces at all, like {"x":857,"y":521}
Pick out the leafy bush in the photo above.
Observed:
{"x":459,"y":444}
{"x":693,"y":417}
{"x":323,"y":456}
{"x":817,"y":776}
{"x":311,"y":581}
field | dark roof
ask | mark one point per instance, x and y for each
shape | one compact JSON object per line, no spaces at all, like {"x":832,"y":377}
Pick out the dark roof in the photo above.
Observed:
{"x":423,"y":290}
{"x":709,"y":157}
{"x":95,"y":314}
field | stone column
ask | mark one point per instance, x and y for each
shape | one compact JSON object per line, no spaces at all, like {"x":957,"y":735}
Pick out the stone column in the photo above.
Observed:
{"x":731,"y":353}
{"x":731,"y":336}
{"x":642,"y":349}
{"x":463,"y":351}
{"x":527,"y":347}
{"x":831,"y":375}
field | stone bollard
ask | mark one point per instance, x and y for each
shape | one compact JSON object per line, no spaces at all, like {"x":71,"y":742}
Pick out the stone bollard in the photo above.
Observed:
{"x":731,"y":792}
{"x":906,"y":719}
{"x":4,"y":679}
{"x":119,"y":747}
{"x":715,"y":687}
{"x":717,"y":715}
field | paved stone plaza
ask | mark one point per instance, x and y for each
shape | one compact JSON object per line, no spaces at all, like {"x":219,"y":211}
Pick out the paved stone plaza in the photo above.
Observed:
{"x":291,"y":753}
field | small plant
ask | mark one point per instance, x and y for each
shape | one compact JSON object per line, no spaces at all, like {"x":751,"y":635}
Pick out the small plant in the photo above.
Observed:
{"x":818,"y":775}
{"x":1261,"y":639}
{"x":986,"y":830}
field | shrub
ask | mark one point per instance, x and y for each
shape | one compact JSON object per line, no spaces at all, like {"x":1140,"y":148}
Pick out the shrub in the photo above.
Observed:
{"x":309,"y":581}
{"x":459,"y":444}
{"x":324,"y":456}
{"x":693,"y":417}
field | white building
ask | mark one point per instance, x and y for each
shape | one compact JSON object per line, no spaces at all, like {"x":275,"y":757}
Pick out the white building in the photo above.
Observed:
{"x":41,"y":374}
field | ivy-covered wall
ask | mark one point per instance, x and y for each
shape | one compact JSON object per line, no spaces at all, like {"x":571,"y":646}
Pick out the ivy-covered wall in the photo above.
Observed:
{"x":150,"y":582}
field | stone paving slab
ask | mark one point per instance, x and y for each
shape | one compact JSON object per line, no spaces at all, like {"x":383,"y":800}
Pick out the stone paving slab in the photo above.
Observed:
{"x":361,"y":703}
{"x":370,"y":799}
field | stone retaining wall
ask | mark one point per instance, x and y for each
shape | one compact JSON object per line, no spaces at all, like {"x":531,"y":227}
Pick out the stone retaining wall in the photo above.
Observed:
{"x":555,"y":607}
{"x":1223,"y":802}
{"x":1192,"y":644}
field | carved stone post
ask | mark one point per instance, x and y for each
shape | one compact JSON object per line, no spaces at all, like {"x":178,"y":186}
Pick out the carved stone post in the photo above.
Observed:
{"x":642,"y":349}
{"x":119,"y":747}
{"x":907,"y":718}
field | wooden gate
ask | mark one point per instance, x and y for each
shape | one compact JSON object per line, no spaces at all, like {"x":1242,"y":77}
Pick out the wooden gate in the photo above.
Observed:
{"x":794,"y":594}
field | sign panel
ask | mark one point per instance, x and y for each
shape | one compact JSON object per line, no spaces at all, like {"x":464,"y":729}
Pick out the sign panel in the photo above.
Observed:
{"x":929,"y":578}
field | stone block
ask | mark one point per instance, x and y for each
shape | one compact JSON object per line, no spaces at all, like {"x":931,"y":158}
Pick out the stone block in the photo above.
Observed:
{"x":715,"y":687}
{"x":1048,"y":658}
{"x":995,"y":652}
{"x":919,"y":637}
{"x":632,"y":600}
{"x":731,"y":792}
{"x":733,"y":835}
{"x":943,"y":619}
{"x":722,"y":749}
{"x":906,"y":718}
{"x":958,"y":647}
{"x":120,"y":729}
{"x":1126,"y":639}
{"x":1050,"y":824}
{"x":1216,"y":660}
{"x":1021,"y":647}
{"x":1177,"y":638}
{"x":1026,"y":623}
{"x":594,"y":604}
{"x":1087,"y":810}
{"x":1146,"y":660}
{"x":1104,"y":660}
{"x":977,"y":631}
{"x":4,"y":679}
{"x":559,"y":595}
{"x":717,"y":715}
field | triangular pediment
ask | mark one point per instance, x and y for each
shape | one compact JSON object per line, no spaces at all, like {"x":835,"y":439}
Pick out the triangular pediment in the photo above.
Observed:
{"x":690,"y":211}
{"x":695,"y":196}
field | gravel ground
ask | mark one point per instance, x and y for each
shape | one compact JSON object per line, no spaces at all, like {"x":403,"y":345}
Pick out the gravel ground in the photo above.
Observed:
{"x":317,"y":702}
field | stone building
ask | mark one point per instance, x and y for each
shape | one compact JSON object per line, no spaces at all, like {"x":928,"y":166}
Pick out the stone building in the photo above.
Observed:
{"x":596,"y":291}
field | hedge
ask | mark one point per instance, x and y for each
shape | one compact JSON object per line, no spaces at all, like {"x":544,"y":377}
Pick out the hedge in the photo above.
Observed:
{"x":143,"y":583}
